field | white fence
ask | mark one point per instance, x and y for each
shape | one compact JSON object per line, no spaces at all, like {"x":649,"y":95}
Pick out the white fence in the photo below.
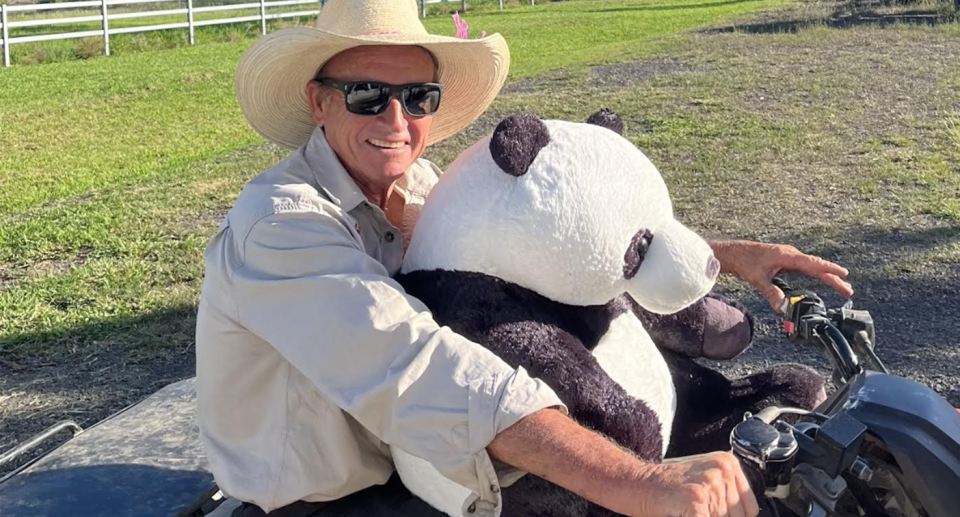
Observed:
{"x":105,"y":17}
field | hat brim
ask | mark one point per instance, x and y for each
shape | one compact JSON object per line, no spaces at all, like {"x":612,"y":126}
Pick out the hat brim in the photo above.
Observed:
{"x":273,"y":74}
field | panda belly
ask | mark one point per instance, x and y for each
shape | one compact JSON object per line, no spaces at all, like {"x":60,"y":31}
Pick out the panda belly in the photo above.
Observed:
{"x":628,"y":355}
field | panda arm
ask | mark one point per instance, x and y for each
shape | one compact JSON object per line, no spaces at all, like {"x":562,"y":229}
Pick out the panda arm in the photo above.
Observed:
{"x":712,"y":327}
{"x":594,"y":399}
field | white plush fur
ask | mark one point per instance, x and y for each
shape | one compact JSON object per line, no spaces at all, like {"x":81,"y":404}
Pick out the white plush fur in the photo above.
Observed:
{"x":563,"y":230}
{"x":626,"y":350}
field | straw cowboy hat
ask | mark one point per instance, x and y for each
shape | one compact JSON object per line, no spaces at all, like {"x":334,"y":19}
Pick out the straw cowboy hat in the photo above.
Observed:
{"x":273,"y":73}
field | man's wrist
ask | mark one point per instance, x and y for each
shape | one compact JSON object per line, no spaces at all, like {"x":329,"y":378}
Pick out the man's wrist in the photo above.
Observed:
{"x":729,"y":254}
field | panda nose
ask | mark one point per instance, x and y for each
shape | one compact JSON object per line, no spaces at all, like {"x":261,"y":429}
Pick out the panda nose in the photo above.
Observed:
{"x":713,"y":268}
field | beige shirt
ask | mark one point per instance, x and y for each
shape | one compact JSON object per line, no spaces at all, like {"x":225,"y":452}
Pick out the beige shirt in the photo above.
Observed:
{"x":311,"y":359}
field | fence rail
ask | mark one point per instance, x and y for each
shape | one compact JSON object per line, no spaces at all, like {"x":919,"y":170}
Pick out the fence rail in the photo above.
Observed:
{"x":190,"y":24}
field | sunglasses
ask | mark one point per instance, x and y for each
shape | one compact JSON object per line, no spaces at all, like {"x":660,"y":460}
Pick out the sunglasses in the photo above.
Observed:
{"x":373,"y":98}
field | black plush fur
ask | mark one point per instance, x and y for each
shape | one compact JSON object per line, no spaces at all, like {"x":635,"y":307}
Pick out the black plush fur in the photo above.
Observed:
{"x":713,"y":328}
{"x":516,"y":142}
{"x":608,"y":119}
{"x":552,"y":341}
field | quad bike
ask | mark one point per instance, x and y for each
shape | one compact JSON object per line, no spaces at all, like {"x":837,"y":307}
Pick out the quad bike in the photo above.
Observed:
{"x":880,"y":446}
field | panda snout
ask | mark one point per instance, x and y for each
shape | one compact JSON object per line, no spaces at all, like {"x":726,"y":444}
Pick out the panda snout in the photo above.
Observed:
{"x":713,"y":268}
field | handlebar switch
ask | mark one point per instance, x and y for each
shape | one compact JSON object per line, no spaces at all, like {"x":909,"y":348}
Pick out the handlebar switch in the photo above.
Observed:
{"x":766,"y":449}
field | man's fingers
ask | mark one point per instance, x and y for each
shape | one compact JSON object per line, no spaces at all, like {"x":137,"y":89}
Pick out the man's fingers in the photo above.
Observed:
{"x":773,"y":294}
{"x":838,"y":284}
{"x":734,"y":504}
{"x":747,"y":498}
{"x":813,"y":266}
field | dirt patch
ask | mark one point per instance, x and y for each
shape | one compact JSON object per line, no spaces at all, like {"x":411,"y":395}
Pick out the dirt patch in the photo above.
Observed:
{"x":35,"y":395}
{"x":625,"y":74}
{"x":10,"y":275}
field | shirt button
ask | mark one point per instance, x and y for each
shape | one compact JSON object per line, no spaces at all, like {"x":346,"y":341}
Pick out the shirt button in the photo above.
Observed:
{"x":495,"y":489}
{"x":389,"y":237}
{"x":472,"y":508}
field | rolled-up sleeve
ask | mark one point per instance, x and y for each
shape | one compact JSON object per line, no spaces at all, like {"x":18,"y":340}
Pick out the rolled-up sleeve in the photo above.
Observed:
{"x":306,"y":286}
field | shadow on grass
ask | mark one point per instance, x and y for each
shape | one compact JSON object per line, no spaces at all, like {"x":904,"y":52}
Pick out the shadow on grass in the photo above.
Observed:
{"x":132,"y":337}
{"x":842,"y":18}
{"x":917,"y":328}
{"x":683,"y":7}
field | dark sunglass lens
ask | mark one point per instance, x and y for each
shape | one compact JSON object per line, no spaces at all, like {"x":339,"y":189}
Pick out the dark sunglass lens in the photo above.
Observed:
{"x":367,"y":99}
{"x":422,"y":100}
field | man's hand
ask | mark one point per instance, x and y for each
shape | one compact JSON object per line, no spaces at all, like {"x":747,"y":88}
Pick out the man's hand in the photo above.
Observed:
{"x":554,"y":447}
{"x":700,"y":486}
{"x":757,"y":263}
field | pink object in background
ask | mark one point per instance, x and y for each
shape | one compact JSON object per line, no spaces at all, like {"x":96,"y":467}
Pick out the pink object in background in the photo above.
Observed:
{"x":463,"y":28}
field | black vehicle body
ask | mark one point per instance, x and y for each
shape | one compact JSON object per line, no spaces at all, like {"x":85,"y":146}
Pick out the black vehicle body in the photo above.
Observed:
{"x":879,"y":446}
{"x":919,"y":429}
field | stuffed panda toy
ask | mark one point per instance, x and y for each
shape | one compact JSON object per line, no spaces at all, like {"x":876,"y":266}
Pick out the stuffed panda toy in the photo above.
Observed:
{"x":554,"y":245}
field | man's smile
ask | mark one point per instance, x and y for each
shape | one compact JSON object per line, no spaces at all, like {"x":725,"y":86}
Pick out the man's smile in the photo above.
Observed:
{"x":385,"y":144}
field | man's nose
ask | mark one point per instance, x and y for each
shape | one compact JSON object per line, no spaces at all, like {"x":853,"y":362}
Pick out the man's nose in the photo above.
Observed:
{"x":394,"y":115}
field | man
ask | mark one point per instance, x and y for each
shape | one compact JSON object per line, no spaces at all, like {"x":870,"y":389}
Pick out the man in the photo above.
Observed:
{"x":310,"y":358}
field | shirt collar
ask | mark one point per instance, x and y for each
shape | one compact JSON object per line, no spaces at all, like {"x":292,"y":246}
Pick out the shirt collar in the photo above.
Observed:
{"x":331,"y":176}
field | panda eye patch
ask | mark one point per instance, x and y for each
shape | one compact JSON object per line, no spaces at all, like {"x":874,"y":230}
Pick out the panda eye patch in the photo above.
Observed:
{"x":639,"y":246}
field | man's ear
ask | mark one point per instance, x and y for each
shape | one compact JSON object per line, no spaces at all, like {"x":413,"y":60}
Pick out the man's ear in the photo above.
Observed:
{"x":316,"y":97}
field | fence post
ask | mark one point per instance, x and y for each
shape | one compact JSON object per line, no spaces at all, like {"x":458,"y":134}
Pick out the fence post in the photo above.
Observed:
{"x":263,"y":19}
{"x":6,"y":35}
{"x":463,"y":5}
{"x":423,"y":8}
{"x":106,"y":28}
{"x":190,"y":20}
{"x":501,"y":4}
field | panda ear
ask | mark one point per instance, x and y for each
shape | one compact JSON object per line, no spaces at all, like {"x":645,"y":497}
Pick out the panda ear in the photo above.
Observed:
{"x":517,"y":141}
{"x":608,"y":119}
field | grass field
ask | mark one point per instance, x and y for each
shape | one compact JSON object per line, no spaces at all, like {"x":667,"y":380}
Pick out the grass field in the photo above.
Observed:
{"x":832,"y":128}
{"x":92,"y":152}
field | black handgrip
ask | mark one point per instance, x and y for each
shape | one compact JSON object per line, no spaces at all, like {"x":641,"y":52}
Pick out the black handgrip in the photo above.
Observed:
{"x":757,"y":484}
{"x":767,"y":507}
{"x":782,"y":285}
{"x":754,"y":476}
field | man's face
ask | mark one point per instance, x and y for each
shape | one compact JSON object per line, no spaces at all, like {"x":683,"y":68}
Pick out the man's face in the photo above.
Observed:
{"x":376,"y":150}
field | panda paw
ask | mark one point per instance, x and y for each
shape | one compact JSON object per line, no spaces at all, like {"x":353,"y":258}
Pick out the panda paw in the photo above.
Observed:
{"x":728,"y":328}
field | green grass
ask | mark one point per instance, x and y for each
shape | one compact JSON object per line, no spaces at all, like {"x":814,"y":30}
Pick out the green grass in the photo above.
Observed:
{"x":115,"y":171}
{"x":559,"y":33}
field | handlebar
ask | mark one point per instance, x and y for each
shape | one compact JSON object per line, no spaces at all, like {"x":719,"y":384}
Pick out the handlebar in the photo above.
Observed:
{"x":844,"y":334}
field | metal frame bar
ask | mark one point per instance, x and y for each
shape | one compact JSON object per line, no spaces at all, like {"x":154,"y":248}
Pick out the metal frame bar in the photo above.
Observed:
{"x":148,"y":28}
{"x":296,"y":14}
{"x":283,"y":3}
{"x":5,"y":36}
{"x":113,"y":3}
{"x":37,"y":439}
{"x":190,"y":31}
{"x":53,"y":37}
{"x":146,"y":14}
{"x":54,"y":21}
{"x":233,"y":7}
{"x":106,"y":28}
{"x":263,"y":19}
{"x":190,"y":24}
{"x":225,"y":21}
{"x":51,"y":7}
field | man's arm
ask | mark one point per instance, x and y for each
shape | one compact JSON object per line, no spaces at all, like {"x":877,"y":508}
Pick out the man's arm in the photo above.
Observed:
{"x":305,"y":286}
{"x":550,"y":445}
{"x":757,"y":263}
